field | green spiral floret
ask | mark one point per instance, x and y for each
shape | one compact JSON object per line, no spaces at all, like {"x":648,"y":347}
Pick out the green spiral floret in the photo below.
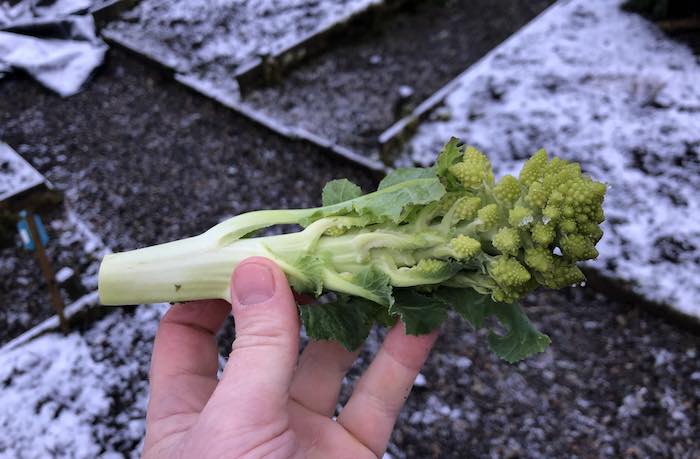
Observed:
{"x":507,"y":241}
{"x":465,"y":247}
{"x":592,"y":231}
{"x":430,"y":266}
{"x":507,"y":190}
{"x":578,"y":247}
{"x":567,"y":226}
{"x":551,"y":213}
{"x":562,"y":274}
{"x":542,"y":234}
{"x":507,"y":272}
{"x":488,"y":215}
{"x":466,"y":208}
{"x":537,"y":196}
{"x":474,"y":169}
{"x":534,"y":168}
{"x":520,"y":216}
{"x":539,"y":258}
{"x":335,"y":231}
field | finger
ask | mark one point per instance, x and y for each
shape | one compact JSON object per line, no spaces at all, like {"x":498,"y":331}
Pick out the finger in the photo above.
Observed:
{"x":185,"y":358}
{"x":264,"y":353}
{"x":380,"y":393}
{"x":321,"y":370}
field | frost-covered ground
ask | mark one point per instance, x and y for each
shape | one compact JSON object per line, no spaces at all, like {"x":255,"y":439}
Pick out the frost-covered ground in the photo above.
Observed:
{"x":591,"y":83}
{"x":207,"y":41}
{"x":81,"y":396}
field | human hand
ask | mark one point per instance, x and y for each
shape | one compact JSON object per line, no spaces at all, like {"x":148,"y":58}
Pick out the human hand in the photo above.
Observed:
{"x":265,"y":405}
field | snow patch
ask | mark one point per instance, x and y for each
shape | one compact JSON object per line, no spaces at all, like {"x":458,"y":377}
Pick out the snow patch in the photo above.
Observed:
{"x":209,"y":41}
{"x":16,"y":174}
{"x":79,"y":395}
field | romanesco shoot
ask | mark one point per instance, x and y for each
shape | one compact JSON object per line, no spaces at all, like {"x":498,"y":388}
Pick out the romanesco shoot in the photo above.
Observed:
{"x":427,"y":239}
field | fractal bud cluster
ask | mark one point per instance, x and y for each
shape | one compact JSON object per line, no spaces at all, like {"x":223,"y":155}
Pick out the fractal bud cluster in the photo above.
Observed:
{"x":428,"y":239}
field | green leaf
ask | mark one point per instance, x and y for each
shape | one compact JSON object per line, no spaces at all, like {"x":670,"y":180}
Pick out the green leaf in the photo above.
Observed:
{"x":522,"y":339}
{"x":375,"y":282}
{"x":305,"y":274}
{"x":420,"y":313}
{"x":450,"y":153}
{"x":347,"y":320}
{"x":340,"y":190}
{"x":471,"y":305}
{"x":405,"y":174}
{"x":385,"y":204}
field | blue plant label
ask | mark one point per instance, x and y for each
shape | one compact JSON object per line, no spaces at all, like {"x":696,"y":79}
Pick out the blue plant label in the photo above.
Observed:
{"x":26,"y":235}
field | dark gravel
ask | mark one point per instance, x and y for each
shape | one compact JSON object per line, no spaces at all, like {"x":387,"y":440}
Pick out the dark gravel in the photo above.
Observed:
{"x":616,"y":382}
{"x":351,"y":93}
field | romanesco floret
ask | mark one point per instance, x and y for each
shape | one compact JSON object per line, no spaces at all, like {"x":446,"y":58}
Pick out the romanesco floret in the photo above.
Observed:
{"x":534,"y":168}
{"x":507,"y":272}
{"x":520,"y":216}
{"x":474,"y":169}
{"x":542,"y":234}
{"x":430,"y":265}
{"x":488,"y":215}
{"x":578,"y":247}
{"x":567,"y":226}
{"x":539,"y":258}
{"x":562,"y":274}
{"x":336,"y":231}
{"x":507,"y":241}
{"x":536,"y":196}
{"x":446,"y":203}
{"x":507,"y":190}
{"x":465,"y":247}
{"x":466,"y":208}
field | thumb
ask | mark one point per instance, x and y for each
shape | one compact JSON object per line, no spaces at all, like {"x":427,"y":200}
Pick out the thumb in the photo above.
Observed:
{"x":264,"y":353}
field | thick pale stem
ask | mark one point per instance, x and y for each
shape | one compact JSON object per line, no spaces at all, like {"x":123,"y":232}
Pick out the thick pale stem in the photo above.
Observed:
{"x":189,"y":269}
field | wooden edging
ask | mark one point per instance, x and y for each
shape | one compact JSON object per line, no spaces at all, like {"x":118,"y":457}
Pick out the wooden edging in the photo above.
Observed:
{"x":263,"y":70}
{"x":72,"y":312}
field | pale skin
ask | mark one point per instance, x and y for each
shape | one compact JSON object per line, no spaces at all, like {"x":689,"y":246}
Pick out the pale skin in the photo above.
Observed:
{"x":269,"y":403}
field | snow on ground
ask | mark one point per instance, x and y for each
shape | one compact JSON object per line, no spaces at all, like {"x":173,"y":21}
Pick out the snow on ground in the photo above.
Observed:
{"x":594,"y":84}
{"x":208,"y":41}
{"x":83,"y":395}
{"x":16,"y":174}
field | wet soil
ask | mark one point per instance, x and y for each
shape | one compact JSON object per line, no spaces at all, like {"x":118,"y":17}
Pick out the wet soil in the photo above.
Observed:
{"x":376,"y":73}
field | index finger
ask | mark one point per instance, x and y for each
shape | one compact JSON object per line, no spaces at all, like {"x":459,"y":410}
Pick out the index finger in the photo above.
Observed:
{"x":185,"y":358}
{"x":381,"y":392}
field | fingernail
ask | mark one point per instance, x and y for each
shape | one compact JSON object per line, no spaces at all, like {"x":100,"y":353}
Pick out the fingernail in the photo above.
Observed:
{"x":253,"y":283}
